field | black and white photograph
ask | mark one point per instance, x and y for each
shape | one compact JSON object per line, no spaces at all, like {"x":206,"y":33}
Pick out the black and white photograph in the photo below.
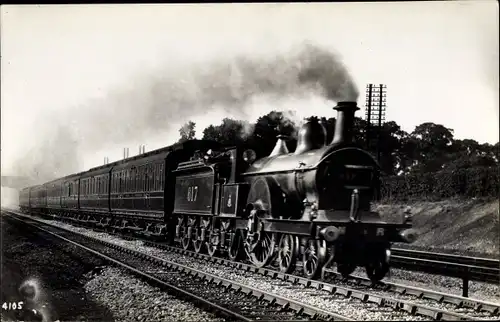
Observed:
{"x":301,"y":161}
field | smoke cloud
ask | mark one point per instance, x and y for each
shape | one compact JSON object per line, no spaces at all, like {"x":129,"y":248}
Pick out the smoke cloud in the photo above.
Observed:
{"x":154,"y":103}
{"x":56,"y":154}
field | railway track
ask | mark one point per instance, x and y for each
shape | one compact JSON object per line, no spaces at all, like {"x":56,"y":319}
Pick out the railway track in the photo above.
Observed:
{"x":448,"y":258}
{"x":228,"y":298}
{"x":398,"y":298}
{"x":464,"y":267}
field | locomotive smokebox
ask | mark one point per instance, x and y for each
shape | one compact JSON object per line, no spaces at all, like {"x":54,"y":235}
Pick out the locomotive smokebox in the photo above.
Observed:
{"x":312,"y":135}
{"x":344,"y":125}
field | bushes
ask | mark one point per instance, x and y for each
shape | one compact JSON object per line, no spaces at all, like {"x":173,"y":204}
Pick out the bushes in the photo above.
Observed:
{"x":472,"y":182}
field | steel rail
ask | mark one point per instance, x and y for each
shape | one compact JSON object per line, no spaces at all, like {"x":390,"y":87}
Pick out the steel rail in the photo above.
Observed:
{"x":412,"y":308}
{"x":301,"y":309}
{"x":444,"y":257}
{"x":463,"y":267}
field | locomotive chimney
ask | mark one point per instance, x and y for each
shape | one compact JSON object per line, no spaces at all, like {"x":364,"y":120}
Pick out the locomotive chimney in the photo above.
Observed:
{"x":280,"y":147}
{"x":344,"y":125}
{"x":312,"y":135}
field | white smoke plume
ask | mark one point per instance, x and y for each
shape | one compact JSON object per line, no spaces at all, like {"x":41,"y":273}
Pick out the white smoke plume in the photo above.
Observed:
{"x":152,"y":104}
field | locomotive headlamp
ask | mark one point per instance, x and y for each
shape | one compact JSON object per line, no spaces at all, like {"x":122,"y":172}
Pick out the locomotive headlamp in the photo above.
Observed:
{"x":249,"y":156}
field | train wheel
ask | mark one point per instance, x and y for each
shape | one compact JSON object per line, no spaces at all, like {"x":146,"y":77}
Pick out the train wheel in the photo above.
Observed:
{"x":186,"y":242}
{"x":213,"y":244}
{"x":376,"y":270}
{"x":313,"y":258}
{"x":288,"y":253}
{"x":345,"y":269}
{"x":198,"y":243}
{"x":234,"y":249}
{"x":378,"y":267}
{"x":261,"y":248}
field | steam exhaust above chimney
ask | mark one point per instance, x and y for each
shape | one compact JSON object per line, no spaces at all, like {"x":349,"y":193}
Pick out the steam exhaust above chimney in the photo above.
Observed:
{"x":344,"y":125}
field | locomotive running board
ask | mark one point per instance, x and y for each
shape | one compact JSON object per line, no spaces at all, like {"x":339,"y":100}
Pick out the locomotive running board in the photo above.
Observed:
{"x":305,"y":228}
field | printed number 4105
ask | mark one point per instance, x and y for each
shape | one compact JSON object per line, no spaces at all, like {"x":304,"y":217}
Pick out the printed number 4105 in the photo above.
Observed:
{"x":12,"y":305}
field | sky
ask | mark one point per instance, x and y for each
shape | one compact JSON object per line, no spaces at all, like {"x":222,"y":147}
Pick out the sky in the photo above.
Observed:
{"x":80,"y":82}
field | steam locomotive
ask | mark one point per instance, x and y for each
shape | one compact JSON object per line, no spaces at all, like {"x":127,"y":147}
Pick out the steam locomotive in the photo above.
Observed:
{"x":311,"y":206}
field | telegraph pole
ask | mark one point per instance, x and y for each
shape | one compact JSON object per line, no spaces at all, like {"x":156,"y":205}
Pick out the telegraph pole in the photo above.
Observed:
{"x":375,"y":113}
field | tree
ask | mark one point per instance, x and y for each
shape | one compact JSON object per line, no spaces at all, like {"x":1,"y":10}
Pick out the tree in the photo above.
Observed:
{"x":229,"y":132}
{"x":268,"y":127}
{"x":187,"y":131}
{"x":329,"y":125}
{"x":433,"y":144}
{"x":469,"y":153}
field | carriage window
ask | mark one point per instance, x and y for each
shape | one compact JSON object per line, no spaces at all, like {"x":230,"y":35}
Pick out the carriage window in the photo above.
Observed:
{"x":127,"y":180}
{"x":132,"y":179}
{"x":153,"y":176}
{"x":122,"y":181}
{"x":139,"y":178}
{"x":148,"y":170}
{"x":157,"y":177}
{"x":153,"y":180}
{"x":148,"y":178}
{"x":144,"y":177}
{"x":161,"y":176}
